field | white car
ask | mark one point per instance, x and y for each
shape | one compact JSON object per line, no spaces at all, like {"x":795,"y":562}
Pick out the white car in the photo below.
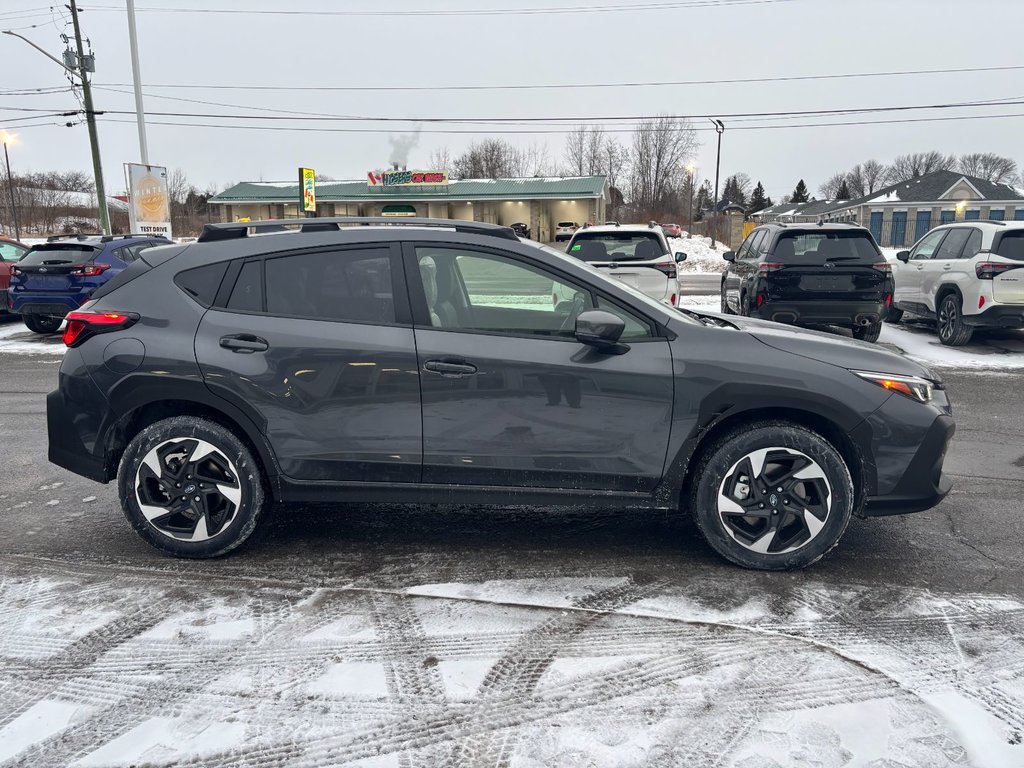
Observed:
{"x":965,"y":276}
{"x":634,"y":254}
{"x":564,"y":230}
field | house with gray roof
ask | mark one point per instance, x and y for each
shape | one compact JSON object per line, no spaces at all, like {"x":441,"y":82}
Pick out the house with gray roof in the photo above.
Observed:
{"x":900,"y":214}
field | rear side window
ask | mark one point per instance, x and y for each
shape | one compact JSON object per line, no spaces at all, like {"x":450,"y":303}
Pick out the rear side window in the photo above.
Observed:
{"x":953,"y":244}
{"x":1011,"y":245}
{"x":350,"y":285}
{"x":59,"y":254}
{"x":201,"y":283}
{"x":247,"y":295}
{"x":817,"y":248}
{"x":616,"y":246}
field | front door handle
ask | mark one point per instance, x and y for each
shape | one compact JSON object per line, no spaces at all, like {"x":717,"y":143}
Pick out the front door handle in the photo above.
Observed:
{"x":245,"y":343}
{"x":450,"y":369}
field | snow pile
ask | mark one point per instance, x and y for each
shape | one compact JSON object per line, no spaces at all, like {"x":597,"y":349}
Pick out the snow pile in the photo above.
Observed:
{"x":700,"y":255}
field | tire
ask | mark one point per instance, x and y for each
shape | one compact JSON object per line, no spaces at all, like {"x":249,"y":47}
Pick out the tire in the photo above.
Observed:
{"x":227,"y":512}
{"x":744,"y":309}
{"x":867,"y":332}
{"x":893,"y":315}
{"x":950,"y":326}
{"x":725,"y":304}
{"x":753,"y":541}
{"x":44,"y":324}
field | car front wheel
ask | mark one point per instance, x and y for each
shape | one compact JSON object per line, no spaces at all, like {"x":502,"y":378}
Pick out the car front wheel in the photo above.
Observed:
{"x":190,"y":487}
{"x":772,"y":496}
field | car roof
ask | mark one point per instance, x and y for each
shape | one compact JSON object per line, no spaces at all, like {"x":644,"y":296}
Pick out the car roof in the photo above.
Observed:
{"x":620,"y":228}
{"x":828,"y":226}
{"x":995,"y":224}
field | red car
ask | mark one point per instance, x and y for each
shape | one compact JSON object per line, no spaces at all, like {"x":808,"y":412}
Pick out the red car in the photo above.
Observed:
{"x":672,"y":230}
{"x":10,"y":252}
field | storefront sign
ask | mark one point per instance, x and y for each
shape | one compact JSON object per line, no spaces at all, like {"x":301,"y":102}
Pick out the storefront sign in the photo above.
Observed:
{"x":406,"y":178}
{"x":307,"y":180}
{"x":149,"y":204}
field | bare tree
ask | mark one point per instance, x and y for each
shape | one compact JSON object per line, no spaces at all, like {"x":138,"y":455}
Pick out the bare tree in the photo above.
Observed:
{"x":830,"y":189}
{"x":910,"y":166}
{"x":616,"y":160}
{"x":441,"y":160}
{"x":661,"y":146}
{"x":489,"y":159}
{"x":575,"y":154}
{"x":533,"y":160}
{"x":988,"y":166}
{"x":585,"y":151}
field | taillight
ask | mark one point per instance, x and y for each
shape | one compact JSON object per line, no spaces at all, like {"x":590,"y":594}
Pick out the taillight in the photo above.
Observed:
{"x":882,"y":266}
{"x":888,"y":299}
{"x":988,"y":270}
{"x":760,"y":300}
{"x":88,"y":270}
{"x":769,"y":266}
{"x":82,"y":324}
{"x":667,"y":268}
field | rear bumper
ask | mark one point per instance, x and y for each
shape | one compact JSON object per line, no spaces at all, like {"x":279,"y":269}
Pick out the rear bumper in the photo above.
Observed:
{"x":65,"y":445}
{"x":923,"y":483}
{"x":998,"y":316}
{"x":46,"y":304}
{"x":844,"y":313}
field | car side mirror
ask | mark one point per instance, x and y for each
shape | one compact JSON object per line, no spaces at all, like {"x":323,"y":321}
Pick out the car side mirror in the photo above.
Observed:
{"x":599,"y":329}
{"x":680,"y":257}
{"x":903,"y":256}
{"x":729,"y":255}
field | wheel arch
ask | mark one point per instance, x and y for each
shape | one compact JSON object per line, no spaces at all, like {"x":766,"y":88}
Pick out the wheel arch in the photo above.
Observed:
{"x":147,"y":404}
{"x":944,"y":290}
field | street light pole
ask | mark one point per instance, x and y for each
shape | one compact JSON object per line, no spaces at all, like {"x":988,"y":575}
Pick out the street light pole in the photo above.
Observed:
{"x":10,"y":186}
{"x":689,"y":214}
{"x":719,"y":129}
{"x":90,"y":119}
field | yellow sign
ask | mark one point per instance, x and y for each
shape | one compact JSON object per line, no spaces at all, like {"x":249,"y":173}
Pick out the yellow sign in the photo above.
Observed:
{"x":149,"y":208}
{"x":307,"y":178}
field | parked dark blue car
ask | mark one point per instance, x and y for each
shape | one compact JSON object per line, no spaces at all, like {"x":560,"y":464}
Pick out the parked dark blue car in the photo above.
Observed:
{"x":60,"y":275}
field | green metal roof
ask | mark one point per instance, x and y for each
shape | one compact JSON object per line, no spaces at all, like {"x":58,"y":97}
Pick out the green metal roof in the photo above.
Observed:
{"x":466,"y":189}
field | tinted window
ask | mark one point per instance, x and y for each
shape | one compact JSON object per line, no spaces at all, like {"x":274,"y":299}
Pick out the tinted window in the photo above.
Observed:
{"x":616,"y":246}
{"x":953,"y":244}
{"x":1011,"y":245}
{"x":352,"y":285}
{"x":124,"y":254}
{"x":60,"y":254}
{"x":469,"y":290}
{"x":247,"y":295}
{"x":202,"y":283}
{"x":973,"y":245}
{"x":10,"y":252}
{"x":927,"y":246}
{"x":744,"y":248}
{"x":755,"y":244}
{"x":816,"y":248}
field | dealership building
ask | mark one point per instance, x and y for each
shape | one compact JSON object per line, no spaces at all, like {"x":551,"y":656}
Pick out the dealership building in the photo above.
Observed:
{"x":537,"y":202}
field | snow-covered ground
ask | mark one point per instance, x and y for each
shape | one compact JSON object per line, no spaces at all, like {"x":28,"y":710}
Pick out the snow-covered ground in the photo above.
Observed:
{"x":700,"y":255}
{"x":104,"y":667}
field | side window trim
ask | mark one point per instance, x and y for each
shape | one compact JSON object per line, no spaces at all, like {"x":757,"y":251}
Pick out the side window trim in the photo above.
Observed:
{"x":755,"y":245}
{"x":981,"y":238}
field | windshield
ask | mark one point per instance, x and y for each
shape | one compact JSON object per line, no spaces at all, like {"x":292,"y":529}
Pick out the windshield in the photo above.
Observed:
{"x":616,"y":246}
{"x":816,"y":248}
{"x":59,"y":253}
{"x":1011,"y":245}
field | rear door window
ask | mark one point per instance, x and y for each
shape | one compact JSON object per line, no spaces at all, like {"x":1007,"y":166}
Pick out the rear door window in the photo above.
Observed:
{"x":973,"y":245}
{"x":617,"y":246}
{"x":953,"y":244}
{"x":755,"y":244}
{"x":1011,"y":245}
{"x":817,"y":248}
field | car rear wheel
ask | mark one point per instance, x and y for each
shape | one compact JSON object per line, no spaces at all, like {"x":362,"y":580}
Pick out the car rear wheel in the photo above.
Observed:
{"x":772,"y":496}
{"x":42,"y":323}
{"x":190,"y":487}
{"x":867,"y":332}
{"x":952,"y":330}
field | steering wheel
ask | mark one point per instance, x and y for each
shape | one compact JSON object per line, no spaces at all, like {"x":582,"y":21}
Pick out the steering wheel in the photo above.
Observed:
{"x":579,"y":303}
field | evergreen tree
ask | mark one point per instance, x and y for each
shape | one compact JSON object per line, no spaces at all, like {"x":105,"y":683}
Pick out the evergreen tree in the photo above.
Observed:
{"x":844,"y":191}
{"x":758,"y":200}
{"x":705,"y":200}
{"x":800,"y":194}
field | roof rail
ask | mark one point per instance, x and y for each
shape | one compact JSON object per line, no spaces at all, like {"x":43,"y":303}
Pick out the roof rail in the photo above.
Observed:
{"x":111,"y":238}
{"x":74,"y":236}
{"x":1000,"y":222}
{"x":240,"y":229}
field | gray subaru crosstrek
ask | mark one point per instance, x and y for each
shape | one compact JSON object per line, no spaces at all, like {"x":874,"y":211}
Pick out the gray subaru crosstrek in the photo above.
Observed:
{"x":441,"y":361}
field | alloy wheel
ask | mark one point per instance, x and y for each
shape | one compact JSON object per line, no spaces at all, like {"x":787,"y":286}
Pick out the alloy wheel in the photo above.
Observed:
{"x":774,"y":500}
{"x":947,"y":318}
{"x":188,"y":489}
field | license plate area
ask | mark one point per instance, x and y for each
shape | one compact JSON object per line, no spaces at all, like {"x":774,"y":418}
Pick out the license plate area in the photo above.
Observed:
{"x":826,"y":283}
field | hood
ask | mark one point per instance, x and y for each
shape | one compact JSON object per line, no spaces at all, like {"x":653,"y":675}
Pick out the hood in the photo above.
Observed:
{"x":832,"y":349}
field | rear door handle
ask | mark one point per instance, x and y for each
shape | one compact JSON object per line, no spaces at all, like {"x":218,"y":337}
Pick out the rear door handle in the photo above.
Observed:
{"x":245,"y":343}
{"x":451,"y":369}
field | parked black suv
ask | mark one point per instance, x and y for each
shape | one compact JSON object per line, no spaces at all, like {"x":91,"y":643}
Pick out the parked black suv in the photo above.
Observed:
{"x":438,"y":362}
{"x":817,"y":274}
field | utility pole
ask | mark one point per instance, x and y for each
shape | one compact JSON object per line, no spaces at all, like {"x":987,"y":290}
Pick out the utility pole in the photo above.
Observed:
{"x":10,"y":185}
{"x":140,"y":112}
{"x":90,"y":119}
{"x":689,"y":214}
{"x":719,"y":129}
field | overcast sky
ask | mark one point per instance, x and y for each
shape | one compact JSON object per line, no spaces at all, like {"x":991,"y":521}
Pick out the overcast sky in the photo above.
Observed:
{"x":767,"y":39}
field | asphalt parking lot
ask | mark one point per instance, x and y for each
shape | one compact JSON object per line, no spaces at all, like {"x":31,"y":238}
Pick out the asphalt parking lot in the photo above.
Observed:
{"x":403,"y":635}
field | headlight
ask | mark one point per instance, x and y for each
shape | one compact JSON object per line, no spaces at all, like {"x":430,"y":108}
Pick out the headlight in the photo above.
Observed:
{"x":914,"y":387}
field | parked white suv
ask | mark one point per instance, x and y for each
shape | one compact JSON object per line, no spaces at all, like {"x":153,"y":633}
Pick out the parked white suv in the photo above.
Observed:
{"x":965,"y":276}
{"x":564,"y":230}
{"x":636,"y":255}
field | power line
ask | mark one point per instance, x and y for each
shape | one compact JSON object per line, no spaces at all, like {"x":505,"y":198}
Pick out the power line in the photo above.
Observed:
{"x":534,"y":11}
{"x":550,"y":132}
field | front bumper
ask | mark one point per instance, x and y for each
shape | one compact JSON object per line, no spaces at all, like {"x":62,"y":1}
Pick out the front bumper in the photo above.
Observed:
{"x":842,"y":313}
{"x":920,"y":484}
{"x":998,"y":316}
